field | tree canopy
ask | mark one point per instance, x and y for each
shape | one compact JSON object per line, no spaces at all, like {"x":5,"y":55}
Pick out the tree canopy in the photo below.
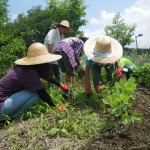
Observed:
{"x":16,"y":36}
{"x":3,"y":11}
{"x":121,"y":31}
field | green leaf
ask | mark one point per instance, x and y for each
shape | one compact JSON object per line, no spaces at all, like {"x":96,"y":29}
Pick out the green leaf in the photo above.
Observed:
{"x":137,"y":116}
{"x":62,"y":122}
{"x":127,"y":120}
{"x":106,"y":101}
{"x":54,"y":131}
{"x":64,"y":132}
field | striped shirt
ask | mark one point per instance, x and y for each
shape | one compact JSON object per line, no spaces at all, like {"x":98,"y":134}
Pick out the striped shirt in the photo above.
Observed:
{"x":72,"y":47}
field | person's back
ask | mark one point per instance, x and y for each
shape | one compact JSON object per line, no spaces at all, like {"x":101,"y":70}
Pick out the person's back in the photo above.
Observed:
{"x":104,"y":51}
{"x":21,"y":87}
{"x":70,"y":49}
{"x":19,"y":79}
{"x":53,"y":37}
{"x":125,"y":61}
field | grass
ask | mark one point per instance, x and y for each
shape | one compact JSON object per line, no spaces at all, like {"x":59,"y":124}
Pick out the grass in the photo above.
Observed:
{"x":41,"y":125}
{"x":80,"y":121}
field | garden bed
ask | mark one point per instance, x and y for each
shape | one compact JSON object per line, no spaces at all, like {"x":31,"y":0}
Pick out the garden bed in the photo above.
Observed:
{"x":133,"y":137}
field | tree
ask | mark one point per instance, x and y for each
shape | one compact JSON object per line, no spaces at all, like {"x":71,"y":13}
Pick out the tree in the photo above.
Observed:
{"x":10,"y":46}
{"x":3,"y":12}
{"x":35,"y":25}
{"x":120,"y":31}
{"x":16,"y":36}
{"x":71,"y":10}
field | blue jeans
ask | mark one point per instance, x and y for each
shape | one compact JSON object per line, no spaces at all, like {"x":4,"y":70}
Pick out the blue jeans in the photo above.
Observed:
{"x":18,"y":103}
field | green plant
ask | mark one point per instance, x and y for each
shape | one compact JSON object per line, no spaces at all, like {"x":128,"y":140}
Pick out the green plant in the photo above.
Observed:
{"x":143,"y":75}
{"x":84,"y":117}
{"x":119,"y":102}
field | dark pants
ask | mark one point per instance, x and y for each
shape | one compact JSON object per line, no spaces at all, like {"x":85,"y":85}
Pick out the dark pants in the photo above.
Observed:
{"x":127,"y":70}
{"x":65,"y":65}
{"x":97,"y":74}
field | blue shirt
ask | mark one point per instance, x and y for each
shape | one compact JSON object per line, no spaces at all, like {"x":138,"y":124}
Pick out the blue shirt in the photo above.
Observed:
{"x":89,"y":62}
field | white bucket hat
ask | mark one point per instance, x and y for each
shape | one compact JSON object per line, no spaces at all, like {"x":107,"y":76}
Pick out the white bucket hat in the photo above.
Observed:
{"x":37,"y":54}
{"x":103,"y":49}
{"x":64,"y":23}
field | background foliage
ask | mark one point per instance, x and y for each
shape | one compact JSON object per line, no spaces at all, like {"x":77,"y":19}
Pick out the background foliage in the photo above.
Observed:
{"x":16,"y":36}
{"x":121,"y":31}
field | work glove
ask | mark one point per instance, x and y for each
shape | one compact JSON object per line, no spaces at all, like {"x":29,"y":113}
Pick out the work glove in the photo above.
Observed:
{"x":119,"y":71}
{"x":64,"y":87}
{"x":62,"y":107}
{"x":88,"y":91}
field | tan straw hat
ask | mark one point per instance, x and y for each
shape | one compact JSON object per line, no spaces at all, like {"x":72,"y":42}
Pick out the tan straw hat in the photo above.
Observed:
{"x":64,"y":23}
{"x":103,"y":49}
{"x":37,"y":54}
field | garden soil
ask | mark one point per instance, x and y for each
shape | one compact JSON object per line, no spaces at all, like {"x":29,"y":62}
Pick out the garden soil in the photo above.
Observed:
{"x":133,"y":137}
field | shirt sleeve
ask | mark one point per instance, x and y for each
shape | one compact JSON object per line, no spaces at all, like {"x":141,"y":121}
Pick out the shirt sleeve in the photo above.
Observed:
{"x":88,"y":62}
{"x":78,"y":47}
{"x":30,"y":80}
{"x":51,"y":36}
{"x":45,"y":97}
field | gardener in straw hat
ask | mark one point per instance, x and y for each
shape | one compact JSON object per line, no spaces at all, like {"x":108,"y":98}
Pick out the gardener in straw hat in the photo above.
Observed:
{"x":101,"y":51}
{"x":21,"y":87}
{"x":51,"y":40}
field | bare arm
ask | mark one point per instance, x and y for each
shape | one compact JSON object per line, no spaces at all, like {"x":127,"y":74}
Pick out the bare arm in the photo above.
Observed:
{"x":87,"y":75}
{"x":87,"y":81}
{"x":50,"y":48}
{"x":118,"y":64}
{"x":78,"y":62}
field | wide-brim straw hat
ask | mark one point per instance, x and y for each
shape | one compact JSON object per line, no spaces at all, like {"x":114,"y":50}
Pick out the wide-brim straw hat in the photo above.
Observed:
{"x":64,"y":23}
{"x":103,"y":49}
{"x":37,"y":54}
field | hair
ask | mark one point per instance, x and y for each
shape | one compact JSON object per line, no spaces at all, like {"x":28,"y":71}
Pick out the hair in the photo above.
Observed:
{"x":57,"y":26}
{"x":54,"y":27}
{"x":44,"y":71}
{"x":83,"y":38}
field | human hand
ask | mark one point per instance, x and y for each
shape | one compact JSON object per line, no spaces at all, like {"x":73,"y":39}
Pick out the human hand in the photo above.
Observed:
{"x":119,"y":71}
{"x":64,"y":87}
{"x":62,"y":107}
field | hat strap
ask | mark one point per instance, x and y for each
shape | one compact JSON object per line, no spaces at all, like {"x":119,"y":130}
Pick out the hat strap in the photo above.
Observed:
{"x":99,"y":54}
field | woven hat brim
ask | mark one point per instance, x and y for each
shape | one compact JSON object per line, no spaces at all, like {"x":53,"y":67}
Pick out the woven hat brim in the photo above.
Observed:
{"x":115,"y":55}
{"x":38,"y":60}
{"x":57,"y":24}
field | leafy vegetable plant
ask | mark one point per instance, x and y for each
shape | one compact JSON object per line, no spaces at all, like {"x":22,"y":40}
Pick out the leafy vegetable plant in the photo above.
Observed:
{"x":120,"y":101}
